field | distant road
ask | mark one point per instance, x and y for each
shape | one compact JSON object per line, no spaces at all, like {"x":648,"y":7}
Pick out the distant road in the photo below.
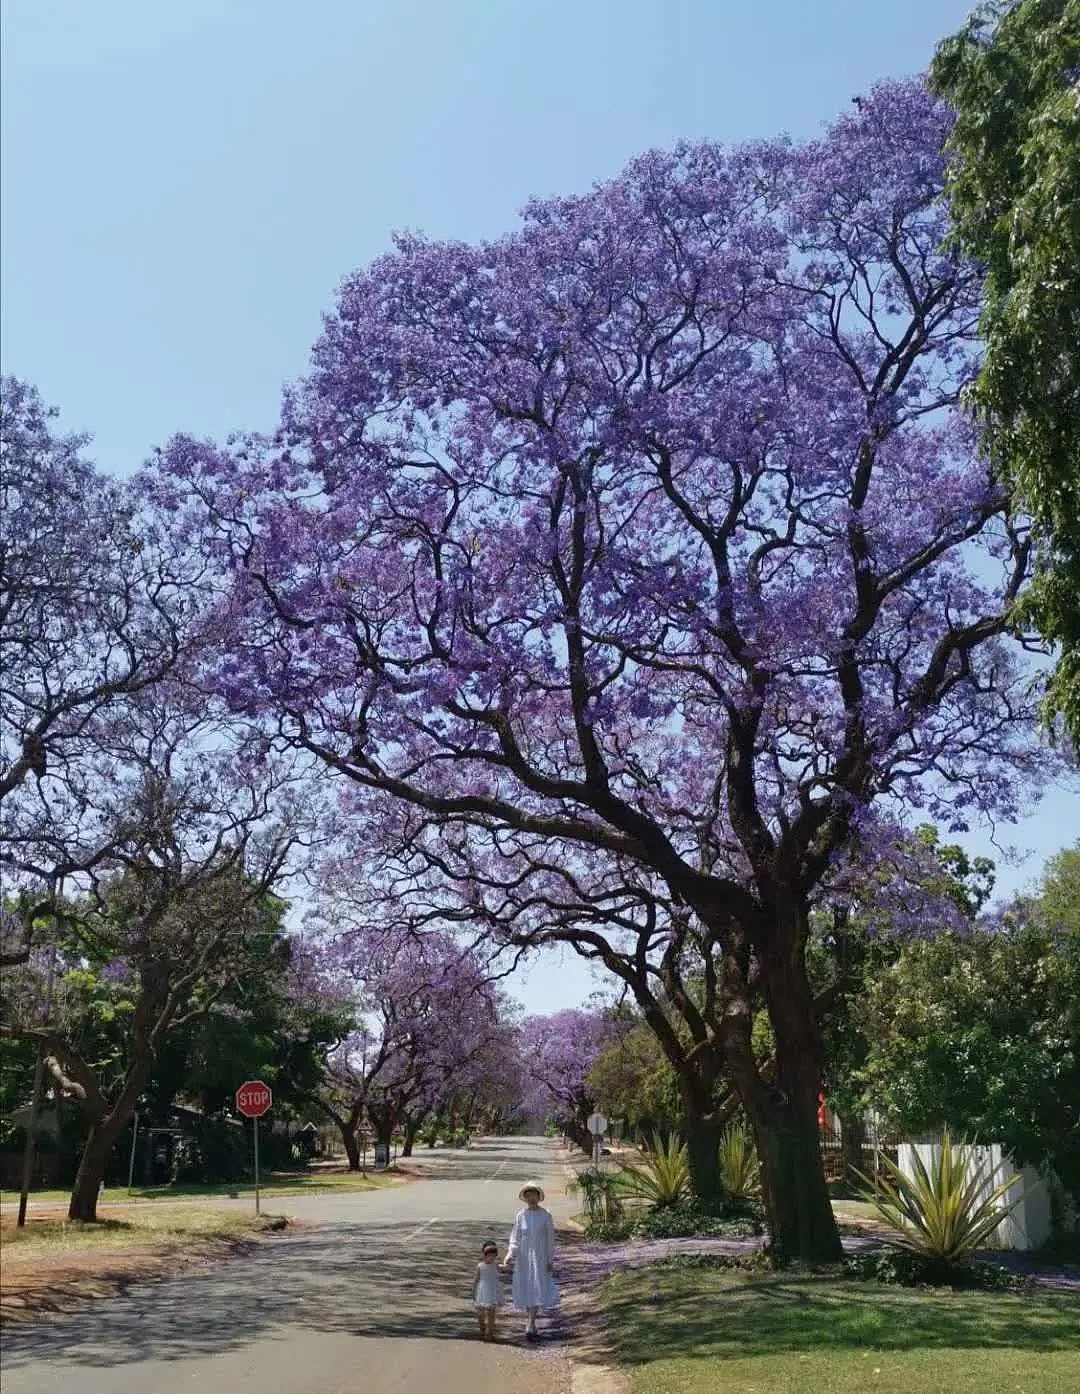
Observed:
{"x":371,"y":1296}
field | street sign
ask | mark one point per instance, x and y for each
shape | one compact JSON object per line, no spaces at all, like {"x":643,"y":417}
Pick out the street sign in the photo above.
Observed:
{"x":597,"y":1124}
{"x":254,"y":1098}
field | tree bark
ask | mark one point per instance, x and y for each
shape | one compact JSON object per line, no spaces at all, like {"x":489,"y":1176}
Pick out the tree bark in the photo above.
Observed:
{"x":347,"y":1129}
{"x":852,"y":1137}
{"x":579,"y":1135}
{"x":410,"y":1137}
{"x":91,"y":1173}
{"x":106,"y":1126}
{"x":783,"y":1113}
{"x":703,"y":1147}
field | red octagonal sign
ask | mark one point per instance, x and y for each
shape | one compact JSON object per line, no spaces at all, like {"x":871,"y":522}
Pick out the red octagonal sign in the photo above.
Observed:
{"x":254,"y":1098}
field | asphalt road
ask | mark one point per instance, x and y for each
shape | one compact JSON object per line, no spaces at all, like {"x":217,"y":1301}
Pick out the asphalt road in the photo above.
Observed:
{"x":372,"y":1295}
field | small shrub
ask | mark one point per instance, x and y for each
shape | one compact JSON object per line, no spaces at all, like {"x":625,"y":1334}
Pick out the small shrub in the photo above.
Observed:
{"x":940,"y":1212}
{"x":691,"y":1220}
{"x":603,"y":1231}
{"x":903,"y":1268}
{"x":662,"y":1179}
{"x":757,"y":1262}
{"x":740,"y":1173}
{"x":599,"y":1191}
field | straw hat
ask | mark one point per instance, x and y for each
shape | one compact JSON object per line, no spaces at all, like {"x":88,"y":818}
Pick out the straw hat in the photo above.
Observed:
{"x":531,"y":1186}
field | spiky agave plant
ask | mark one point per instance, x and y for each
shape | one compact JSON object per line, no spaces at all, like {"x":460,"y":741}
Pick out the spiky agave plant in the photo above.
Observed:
{"x":943,"y":1211}
{"x":740,"y":1173}
{"x":663,"y":1178}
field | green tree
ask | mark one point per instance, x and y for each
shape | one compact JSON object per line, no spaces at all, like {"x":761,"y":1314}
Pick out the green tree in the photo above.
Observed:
{"x":983,"y":1034}
{"x":1012,"y":76}
{"x":857,"y":941}
{"x":634,"y":1080}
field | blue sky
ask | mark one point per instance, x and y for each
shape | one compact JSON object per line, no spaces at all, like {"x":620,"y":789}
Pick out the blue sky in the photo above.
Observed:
{"x":183,"y":185}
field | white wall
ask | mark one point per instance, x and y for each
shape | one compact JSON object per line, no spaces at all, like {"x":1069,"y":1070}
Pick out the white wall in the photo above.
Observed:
{"x":1028,"y":1227}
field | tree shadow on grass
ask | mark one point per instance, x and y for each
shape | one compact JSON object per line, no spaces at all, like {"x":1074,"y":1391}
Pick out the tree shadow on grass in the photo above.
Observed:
{"x":668,"y":1314}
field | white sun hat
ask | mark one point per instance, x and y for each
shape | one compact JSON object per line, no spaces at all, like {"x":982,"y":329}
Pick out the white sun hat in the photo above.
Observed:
{"x":531,"y":1186}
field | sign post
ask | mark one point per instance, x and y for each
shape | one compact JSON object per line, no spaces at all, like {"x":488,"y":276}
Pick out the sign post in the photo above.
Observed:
{"x":131,"y":1159}
{"x":597,"y":1125}
{"x":253,"y":1099}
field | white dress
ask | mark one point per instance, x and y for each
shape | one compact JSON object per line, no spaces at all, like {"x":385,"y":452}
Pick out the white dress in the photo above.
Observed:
{"x":488,"y":1290}
{"x":532,"y":1249}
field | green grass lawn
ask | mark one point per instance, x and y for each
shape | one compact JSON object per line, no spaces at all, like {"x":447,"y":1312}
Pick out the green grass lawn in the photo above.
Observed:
{"x":717,"y":1332}
{"x":283,"y":1184}
{"x":162,"y":1229}
{"x":856,"y":1211}
{"x":53,"y":1266}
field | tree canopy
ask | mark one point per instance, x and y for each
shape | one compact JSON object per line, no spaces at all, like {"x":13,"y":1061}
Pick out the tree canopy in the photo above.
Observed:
{"x":632,"y":569}
{"x":1012,"y":78}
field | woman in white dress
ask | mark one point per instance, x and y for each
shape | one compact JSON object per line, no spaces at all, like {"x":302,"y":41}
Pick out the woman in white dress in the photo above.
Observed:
{"x":531,"y":1253}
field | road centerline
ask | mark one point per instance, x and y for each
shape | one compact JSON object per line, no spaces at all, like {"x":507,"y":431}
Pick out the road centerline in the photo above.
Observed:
{"x":489,"y":1179}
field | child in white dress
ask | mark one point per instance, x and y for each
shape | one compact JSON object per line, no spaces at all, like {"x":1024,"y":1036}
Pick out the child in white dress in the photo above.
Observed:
{"x":531,"y":1252}
{"x":487,"y":1292}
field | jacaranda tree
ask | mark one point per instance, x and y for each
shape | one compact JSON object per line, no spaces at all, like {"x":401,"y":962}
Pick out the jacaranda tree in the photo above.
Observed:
{"x":92,"y":613}
{"x":644,"y":563}
{"x":419,"y":1014}
{"x":558,"y":1053}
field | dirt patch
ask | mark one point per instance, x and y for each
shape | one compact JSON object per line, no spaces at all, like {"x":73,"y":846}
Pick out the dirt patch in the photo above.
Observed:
{"x":35,"y":1286}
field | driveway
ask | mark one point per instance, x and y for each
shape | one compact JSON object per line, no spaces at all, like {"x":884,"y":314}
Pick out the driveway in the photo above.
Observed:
{"x":372,"y":1295}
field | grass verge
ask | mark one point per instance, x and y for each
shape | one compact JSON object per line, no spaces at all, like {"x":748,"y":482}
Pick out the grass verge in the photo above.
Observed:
{"x":51,"y":1264}
{"x":277,"y":1184}
{"x":722,"y":1332}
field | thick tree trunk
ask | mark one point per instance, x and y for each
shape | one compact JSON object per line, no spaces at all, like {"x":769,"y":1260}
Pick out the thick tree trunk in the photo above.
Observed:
{"x":798,"y":1208}
{"x":702,"y":1147}
{"x":410,"y":1138}
{"x":347,"y":1125}
{"x":347,"y":1129}
{"x":852,"y":1138}
{"x":579,"y":1135}
{"x":467,"y":1118}
{"x":104,"y":1132}
{"x":91,"y":1172}
{"x":783,"y":1113}
{"x":383,"y":1120}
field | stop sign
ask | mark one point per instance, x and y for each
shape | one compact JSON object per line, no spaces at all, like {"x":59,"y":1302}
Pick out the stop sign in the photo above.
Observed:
{"x":254,"y":1098}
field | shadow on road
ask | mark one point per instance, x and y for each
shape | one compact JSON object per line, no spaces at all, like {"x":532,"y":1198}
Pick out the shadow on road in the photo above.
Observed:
{"x":382,"y":1277}
{"x":335,"y":1279}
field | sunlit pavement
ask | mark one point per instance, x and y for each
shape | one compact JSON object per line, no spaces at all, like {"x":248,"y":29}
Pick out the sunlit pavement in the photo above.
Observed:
{"x":372,"y":1294}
